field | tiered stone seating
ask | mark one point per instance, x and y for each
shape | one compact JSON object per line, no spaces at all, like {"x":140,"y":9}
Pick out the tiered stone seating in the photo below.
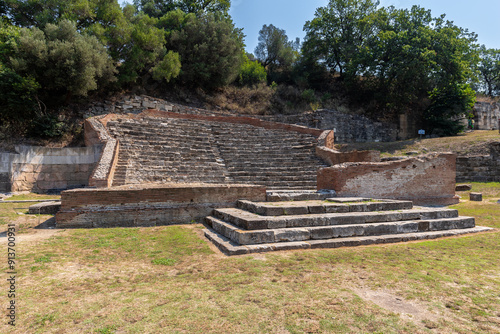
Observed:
{"x":275,"y":158}
{"x":185,"y":150}
{"x":336,"y":222}
{"x":166,"y":150}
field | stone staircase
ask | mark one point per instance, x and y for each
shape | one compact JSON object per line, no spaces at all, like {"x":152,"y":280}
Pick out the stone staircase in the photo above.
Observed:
{"x":329,"y":223}
{"x":156,"y":150}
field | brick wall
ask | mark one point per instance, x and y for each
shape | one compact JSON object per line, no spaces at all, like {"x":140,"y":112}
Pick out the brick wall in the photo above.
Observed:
{"x":149,"y":205}
{"x":428,"y":179}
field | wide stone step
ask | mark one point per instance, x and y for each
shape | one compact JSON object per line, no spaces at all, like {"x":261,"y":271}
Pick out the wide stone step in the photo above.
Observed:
{"x":244,"y":237}
{"x":281,"y":195}
{"x":295,"y":165}
{"x":251,"y":221}
{"x":270,"y":172}
{"x":318,"y":206}
{"x":229,"y":247}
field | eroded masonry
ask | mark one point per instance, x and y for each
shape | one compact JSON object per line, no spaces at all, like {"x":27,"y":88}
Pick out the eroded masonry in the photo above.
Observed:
{"x":258,"y":185}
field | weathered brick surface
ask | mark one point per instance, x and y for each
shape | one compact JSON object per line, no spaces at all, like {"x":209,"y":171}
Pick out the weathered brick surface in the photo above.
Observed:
{"x":333,"y":157}
{"x":427,"y":179}
{"x":149,"y":205}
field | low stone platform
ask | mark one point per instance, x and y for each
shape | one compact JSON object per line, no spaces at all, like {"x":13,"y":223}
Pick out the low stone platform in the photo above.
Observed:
{"x":254,"y":227}
{"x":45,"y":208}
{"x":149,"y":205}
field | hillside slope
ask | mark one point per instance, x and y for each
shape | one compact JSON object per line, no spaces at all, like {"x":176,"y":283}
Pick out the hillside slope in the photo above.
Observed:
{"x":470,"y":143}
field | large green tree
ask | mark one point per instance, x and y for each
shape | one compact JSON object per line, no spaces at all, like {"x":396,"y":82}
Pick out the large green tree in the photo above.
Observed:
{"x":139,"y":47}
{"x":489,"y":68}
{"x":338,"y":32}
{"x":62,"y":60}
{"x":17,"y":92}
{"x":393,"y":58}
{"x":209,"y":45}
{"x":276,"y":53}
{"x":158,"y":8}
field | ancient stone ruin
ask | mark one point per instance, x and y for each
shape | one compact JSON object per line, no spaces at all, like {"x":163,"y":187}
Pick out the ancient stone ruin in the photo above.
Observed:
{"x":258,"y":185}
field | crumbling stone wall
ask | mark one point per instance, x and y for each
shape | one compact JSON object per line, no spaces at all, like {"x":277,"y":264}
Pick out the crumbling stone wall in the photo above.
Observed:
{"x":348,"y":127}
{"x":42,"y":169}
{"x":480,"y":168}
{"x":428,"y":179}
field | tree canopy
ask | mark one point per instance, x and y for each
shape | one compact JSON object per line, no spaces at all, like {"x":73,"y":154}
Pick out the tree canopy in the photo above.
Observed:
{"x":389,"y":61}
{"x":397,"y":58}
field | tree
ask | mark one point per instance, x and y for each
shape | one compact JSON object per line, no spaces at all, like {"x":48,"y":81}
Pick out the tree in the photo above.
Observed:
{"x":210,"y":47}
{"x":338,"y":33}
{"x":62,"y":60}
{"x":489,"y":67}
{"x":17,"y":93}
{"x":251,"y":72}
{"x":142,"y":53}
{"x":158,"y":8}
{"x":448,"y":105}
{"x":276,"y":53}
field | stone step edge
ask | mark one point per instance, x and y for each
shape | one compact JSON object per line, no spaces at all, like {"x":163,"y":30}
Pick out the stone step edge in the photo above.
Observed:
{"x":271,"y":209}
{"x":250,"y":221}
{"x":230,"y":248}
{"x":255,"y":237}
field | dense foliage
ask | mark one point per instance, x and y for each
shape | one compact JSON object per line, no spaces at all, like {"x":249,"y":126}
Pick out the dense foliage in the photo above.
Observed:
{"x":396,"y":58}
{"x":384,"y":60}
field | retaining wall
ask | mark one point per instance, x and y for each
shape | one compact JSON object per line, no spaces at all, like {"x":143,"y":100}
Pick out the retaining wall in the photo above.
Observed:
{"x":42,"y":169}
{"x":348,"y":127}
{"x":480,"y":168}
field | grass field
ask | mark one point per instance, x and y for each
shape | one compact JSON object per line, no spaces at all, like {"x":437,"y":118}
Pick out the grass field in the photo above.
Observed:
{"x":171,"y":280}
{"x":470,"y":143}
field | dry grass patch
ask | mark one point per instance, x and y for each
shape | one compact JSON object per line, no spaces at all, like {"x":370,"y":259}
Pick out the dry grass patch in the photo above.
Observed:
{"x":170,"y":280}
{"x":471,"y":143}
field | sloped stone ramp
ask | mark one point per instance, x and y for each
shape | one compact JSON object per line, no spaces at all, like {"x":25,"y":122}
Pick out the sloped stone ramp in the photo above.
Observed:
{"x":254,"y":227}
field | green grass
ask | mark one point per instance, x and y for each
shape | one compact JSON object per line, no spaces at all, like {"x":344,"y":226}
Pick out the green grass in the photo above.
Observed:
{"x":169,"y":280}
{"x":465,"y":144}
{"x":31,"y":196}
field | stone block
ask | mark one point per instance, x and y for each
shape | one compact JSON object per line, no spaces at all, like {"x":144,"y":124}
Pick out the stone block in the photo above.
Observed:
{"x":336,"y":208}
{"x":463,"y":187}
{"x":257,"y":237}
{"x":45,"y":208}
{"x":316,"y":209}
{"x":290,"y":235}
{"x":281,"y":246}
{"x":321,"y":233}
{"x":476,"y":197}
{"x":295,"y":210}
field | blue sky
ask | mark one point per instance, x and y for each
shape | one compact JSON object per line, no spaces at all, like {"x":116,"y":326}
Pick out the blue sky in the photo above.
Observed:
{"x":479,"y":16}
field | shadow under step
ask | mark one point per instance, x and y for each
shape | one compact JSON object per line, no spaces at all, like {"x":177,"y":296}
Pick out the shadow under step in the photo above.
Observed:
{"x":250,"y":221}
{"x":229,"y":247}
{"x":253,"y":237}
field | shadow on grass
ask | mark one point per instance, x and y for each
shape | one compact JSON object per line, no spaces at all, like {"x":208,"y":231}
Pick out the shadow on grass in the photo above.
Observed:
{"x":48,"y":224}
